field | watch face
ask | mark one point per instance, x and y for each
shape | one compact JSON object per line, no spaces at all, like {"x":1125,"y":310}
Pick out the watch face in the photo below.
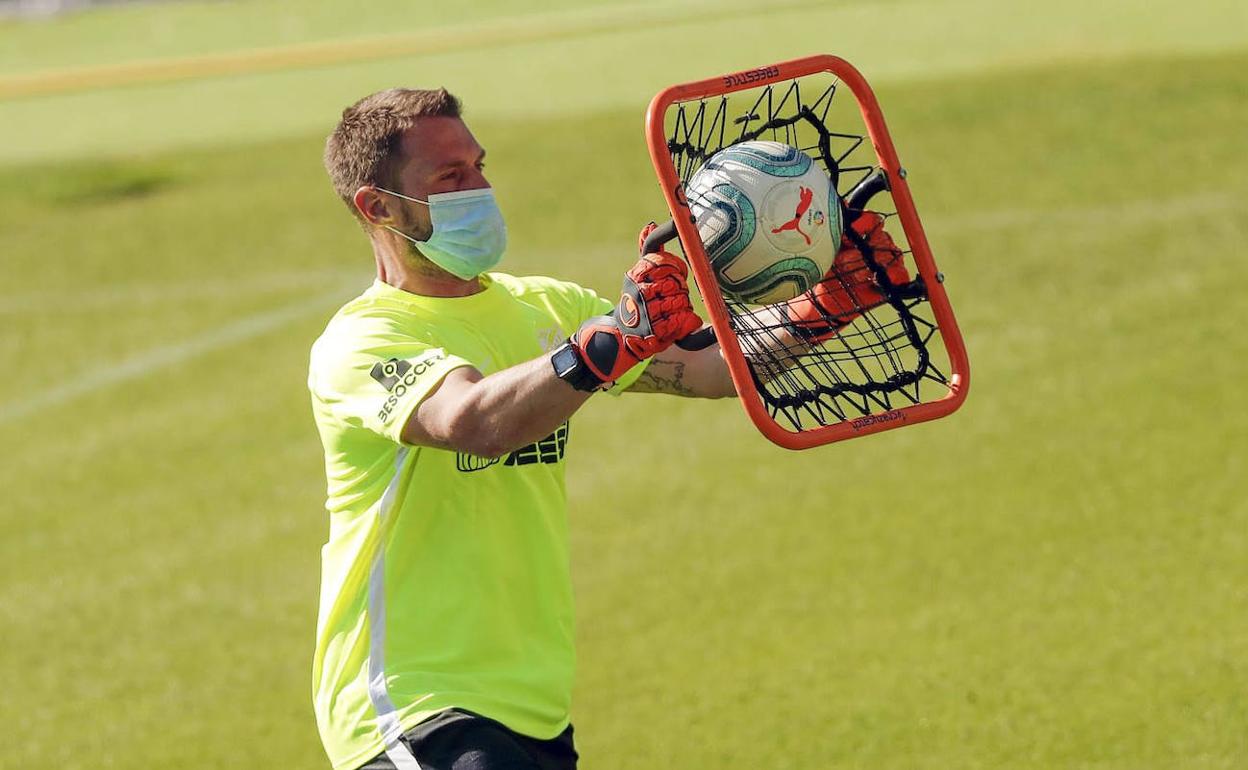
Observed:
{"x":564,"y":360}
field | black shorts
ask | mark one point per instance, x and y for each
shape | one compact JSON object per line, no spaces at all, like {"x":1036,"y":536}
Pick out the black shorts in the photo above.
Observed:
{"x":461,"y":740}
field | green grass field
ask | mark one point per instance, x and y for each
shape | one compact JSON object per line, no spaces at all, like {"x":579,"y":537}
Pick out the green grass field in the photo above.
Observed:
{"x":1054,"y":577}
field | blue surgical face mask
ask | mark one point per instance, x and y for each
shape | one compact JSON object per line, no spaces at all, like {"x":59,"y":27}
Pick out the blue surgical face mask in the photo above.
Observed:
{"x":468,"y":231}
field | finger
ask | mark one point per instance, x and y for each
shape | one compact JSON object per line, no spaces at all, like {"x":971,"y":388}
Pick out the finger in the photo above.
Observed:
{"x":690,"y":323}
{"x":897,"y":272}
{"x":666,"y":261}
{"x":678,"y":325}
{"x":645,"y":232}
{"x":867,"y":222}
{"x":848,"y":259}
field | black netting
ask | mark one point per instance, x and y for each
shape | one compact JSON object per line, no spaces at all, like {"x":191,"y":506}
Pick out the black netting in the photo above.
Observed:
{"x":882,"y":358}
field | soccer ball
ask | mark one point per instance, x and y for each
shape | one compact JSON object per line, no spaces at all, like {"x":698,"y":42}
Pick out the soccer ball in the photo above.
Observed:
{"x":769,"y":218}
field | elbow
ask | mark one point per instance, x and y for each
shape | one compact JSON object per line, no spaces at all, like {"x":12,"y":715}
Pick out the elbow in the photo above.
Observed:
{"x":484,"y":447}
{"x":468,"y":432}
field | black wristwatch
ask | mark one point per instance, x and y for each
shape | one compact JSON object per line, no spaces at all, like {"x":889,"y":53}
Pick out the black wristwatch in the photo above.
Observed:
{"x":570,"y":368}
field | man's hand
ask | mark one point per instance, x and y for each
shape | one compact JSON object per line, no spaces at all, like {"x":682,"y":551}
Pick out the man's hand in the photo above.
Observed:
{"x":852,"y":286}
{"x":653,"y":312}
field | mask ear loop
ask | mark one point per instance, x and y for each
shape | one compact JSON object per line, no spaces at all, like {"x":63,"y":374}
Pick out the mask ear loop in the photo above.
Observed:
{"x":402,"y":234}
{"x":401,"y":195}
{"x":406,"y":198}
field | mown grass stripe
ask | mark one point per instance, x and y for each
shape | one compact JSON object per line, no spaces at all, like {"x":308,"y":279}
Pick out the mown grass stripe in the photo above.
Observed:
{"x":457,"y":39}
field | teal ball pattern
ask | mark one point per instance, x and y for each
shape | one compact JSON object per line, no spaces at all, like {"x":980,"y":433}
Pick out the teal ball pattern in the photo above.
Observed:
{"x":786,"y":163}
{"x":738,"y":213}
{"x":801,"y":272}
{"x":742,"y":219}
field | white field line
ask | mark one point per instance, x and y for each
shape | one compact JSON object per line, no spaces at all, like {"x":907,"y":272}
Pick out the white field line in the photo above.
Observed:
{"x":104,"y":375}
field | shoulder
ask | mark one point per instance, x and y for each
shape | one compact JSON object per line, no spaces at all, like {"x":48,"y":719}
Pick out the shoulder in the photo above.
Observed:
{"x":527,"y":286}
{"x":362,"y":329}
{"x":568,"y":301}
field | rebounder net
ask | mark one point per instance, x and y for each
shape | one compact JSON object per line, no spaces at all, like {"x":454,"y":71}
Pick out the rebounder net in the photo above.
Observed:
{"x":887,"y":353}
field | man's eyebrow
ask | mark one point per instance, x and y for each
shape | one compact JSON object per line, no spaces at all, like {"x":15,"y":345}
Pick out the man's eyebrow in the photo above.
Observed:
{"x":456,"y":163}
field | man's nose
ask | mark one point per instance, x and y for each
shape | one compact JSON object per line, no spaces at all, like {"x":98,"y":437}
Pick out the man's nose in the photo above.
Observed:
{"x":475,"y":180}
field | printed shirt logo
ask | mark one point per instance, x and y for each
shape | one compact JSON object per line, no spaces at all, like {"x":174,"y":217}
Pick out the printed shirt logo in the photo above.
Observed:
{"x":399,"y":376}
{"x":390,"y":372}
{"x":548,"y":451}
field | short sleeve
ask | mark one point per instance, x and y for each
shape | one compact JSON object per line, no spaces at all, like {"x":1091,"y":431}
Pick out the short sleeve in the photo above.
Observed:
{"x":375,"y":382}
{"x":569,"y":305}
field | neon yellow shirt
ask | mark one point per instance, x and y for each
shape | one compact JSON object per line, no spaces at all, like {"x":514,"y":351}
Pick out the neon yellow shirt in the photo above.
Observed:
{"x":445,"y":578}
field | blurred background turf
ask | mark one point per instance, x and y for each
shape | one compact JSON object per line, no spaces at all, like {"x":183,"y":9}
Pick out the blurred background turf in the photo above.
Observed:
{"x":1056,"y":576}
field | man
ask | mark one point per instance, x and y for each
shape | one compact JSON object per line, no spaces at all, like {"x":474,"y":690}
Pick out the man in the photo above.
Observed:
{"x":442,"y":395}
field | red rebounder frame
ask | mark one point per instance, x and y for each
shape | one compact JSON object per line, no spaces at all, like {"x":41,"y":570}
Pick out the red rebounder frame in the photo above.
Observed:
{"x":717,"y":309}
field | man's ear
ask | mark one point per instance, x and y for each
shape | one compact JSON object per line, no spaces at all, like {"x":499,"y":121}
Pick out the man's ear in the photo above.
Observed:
{"x":372,"y":206}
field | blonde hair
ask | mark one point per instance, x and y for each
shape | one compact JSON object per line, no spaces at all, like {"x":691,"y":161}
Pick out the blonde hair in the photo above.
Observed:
{"x":364,"y":148}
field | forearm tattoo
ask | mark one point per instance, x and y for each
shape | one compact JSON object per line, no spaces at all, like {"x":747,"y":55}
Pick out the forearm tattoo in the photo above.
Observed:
{"x":663,"y":377}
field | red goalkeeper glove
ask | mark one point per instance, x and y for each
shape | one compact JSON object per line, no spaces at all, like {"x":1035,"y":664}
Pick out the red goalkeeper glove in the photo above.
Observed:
{"x":851,"y":287}
{"x":653,"y":312}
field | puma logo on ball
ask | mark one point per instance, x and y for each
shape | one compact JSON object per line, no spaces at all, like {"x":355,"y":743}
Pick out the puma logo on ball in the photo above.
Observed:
{"x":805,"y":196}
